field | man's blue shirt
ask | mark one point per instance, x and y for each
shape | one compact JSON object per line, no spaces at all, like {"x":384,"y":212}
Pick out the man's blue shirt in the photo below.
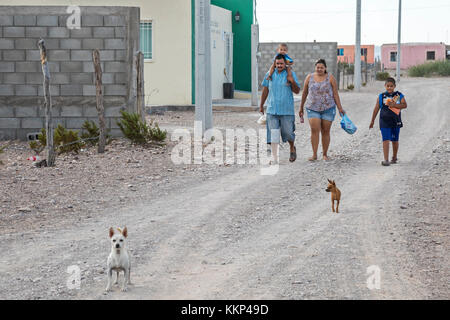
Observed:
{"x":281,"y":99}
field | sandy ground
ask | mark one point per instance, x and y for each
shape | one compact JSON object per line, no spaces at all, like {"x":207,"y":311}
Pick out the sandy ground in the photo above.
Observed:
{"x":228,"y":232}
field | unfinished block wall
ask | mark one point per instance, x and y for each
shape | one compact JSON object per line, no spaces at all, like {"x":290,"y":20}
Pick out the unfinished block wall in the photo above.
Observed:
{"x":112,"y":30}
{"x":304,"y":54}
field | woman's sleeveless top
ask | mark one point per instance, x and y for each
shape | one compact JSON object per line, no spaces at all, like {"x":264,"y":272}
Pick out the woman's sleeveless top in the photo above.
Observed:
{"x":320,"y":95}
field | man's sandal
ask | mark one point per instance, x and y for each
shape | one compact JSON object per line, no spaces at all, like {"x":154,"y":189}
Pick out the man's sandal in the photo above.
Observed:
{"x":293,"y":155}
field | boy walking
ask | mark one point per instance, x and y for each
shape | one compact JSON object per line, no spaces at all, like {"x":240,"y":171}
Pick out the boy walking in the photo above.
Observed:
{"x":389,"y":103}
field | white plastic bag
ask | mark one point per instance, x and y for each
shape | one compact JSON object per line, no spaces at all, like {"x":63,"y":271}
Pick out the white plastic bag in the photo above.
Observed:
{"x":262,"y":119}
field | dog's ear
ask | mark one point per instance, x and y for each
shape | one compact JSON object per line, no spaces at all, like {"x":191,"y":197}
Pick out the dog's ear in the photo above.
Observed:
{"x":125,"y":232}
{"x":334,"y":183}
{"x":330,"y":181}
{"x":111,"y":232}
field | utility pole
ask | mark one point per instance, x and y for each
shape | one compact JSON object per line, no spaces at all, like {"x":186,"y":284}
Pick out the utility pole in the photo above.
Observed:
{"x":203,"y":96}
{"x":399,"y":38}
{"x":357,"y":68}
{"x":255,"y":42}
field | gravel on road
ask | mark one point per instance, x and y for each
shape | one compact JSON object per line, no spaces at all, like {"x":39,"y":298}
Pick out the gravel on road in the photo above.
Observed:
{"x":200,"y":231}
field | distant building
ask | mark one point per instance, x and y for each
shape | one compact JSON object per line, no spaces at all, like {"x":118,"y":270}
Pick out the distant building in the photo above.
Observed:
{"x":412,"y":54}
{"x":346,"y":53}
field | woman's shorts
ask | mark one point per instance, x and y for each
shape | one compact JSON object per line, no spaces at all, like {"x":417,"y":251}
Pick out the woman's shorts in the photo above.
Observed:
{"x":390,"y":134}
{"x":328,"y":114}
{"x":280,"y":124}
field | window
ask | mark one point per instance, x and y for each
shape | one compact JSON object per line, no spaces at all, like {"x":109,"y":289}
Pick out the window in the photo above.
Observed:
{"x":364,"y":51}
{"x":430,"y":55}
{"x":340,"y":52}
{"x":393,"y":56}
{"x":145,"y":34}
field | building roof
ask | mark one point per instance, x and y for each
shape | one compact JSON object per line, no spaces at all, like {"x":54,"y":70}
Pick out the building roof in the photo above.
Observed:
{"x":413,"y":44}
{"x":352,"y":45}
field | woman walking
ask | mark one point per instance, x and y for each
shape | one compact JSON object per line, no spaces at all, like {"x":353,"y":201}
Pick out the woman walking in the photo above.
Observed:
{"x":320,"y":94}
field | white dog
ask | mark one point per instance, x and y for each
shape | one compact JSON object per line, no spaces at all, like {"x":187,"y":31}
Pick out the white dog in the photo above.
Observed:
{"x":119,"y":259}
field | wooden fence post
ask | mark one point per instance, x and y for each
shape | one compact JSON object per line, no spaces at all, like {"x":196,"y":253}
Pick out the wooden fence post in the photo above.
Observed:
{"x":99,"y":96}
{"x":338,"y":76}
{"x":365,"y":65}
{"x":140,"y":101}
{"x":49,"y":149}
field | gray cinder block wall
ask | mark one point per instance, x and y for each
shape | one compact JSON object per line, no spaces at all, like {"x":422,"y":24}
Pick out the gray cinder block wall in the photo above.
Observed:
{"x":304,"y":54}
{"x":112,"y":30}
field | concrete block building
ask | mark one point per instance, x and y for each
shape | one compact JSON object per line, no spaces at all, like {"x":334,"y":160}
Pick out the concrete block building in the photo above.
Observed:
{"x":112,"y":30}
{"x":165,"y":33}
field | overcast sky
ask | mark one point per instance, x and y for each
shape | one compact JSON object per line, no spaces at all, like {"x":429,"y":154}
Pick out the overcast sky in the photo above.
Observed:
{"x":335,"y":21}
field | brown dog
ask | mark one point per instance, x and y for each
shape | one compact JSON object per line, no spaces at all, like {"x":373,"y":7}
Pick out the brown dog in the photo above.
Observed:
{"x":335,"y":194}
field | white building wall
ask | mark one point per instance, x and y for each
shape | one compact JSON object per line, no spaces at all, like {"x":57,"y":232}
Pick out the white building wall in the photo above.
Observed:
{"x":220,"y":29}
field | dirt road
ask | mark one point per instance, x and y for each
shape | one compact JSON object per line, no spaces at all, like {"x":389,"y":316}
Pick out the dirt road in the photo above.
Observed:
{"x":240,"y":235}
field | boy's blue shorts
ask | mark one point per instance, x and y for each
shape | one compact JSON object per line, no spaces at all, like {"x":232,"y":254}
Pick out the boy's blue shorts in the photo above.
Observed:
{"x":390,"y":134}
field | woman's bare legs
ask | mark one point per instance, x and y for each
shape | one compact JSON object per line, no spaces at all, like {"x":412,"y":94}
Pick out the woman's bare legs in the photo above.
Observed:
{"x":325,"y":130}
{"x":315,"y":124}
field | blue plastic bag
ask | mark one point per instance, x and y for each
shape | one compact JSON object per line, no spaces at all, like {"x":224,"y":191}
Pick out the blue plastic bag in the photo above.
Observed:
{"x":347,"y":124}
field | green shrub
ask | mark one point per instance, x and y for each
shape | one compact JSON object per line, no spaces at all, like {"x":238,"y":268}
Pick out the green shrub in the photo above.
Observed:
{"x":39,"y":145}
{"x":350,"y":87}
{"x":435,"y":68}
{"x":66,"y":140}
{"x":1,"y":151}
{"x":350,"y":69}
{"x":63,"y":141}
{"x":138,"y":131}
{"x":92,"y":133}
{"x":382,"y":76}
{"x":156,"y":133}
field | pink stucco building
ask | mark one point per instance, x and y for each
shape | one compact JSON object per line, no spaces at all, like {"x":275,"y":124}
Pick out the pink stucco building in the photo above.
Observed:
{"x":411,"y":54}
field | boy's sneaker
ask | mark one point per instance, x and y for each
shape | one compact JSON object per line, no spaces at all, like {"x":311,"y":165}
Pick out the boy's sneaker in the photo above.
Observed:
{"x":385,"y":163}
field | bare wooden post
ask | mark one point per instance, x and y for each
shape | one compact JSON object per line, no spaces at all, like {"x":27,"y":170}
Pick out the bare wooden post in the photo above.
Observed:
{"x":49,"y":149}
{"x":99,"y":94}
{"x":365,"y":65}
{"x":343,"y":75}
{"x":140,"y":83}
{"x":338,"y":76}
